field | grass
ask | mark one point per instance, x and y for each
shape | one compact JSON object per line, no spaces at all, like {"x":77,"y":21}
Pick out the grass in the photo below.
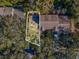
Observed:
{"x":5,"y":3}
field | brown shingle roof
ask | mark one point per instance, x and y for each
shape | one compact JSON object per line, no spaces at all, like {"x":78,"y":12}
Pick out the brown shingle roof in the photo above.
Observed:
{"x":54,"y":21}
{"x":49,"y":17}
{"x":8,"y":11}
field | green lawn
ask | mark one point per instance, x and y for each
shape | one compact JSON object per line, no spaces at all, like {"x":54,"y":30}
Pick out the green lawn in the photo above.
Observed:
{"x":5,"y":3}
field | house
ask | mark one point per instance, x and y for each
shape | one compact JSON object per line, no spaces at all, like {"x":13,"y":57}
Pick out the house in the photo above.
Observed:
{"x":54,"y":21}
{"x":10,"y":11}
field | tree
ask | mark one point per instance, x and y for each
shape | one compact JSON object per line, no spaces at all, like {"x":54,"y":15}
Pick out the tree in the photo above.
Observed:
{"x":44,"y":6}
{"x":65,"y":39}
{"x":65,"y":7}
{"x":68,"y":8}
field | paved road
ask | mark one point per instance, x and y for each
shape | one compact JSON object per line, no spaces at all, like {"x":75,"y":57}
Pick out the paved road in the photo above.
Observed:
{"x":11,"y":11}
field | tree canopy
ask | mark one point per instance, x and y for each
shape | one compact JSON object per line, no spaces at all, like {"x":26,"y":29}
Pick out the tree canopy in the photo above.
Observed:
{"x":65,"y":7}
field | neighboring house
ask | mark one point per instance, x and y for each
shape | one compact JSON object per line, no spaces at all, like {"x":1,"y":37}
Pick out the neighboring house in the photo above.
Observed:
{"x":54,"y":21}
{"x":4,"y":11}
